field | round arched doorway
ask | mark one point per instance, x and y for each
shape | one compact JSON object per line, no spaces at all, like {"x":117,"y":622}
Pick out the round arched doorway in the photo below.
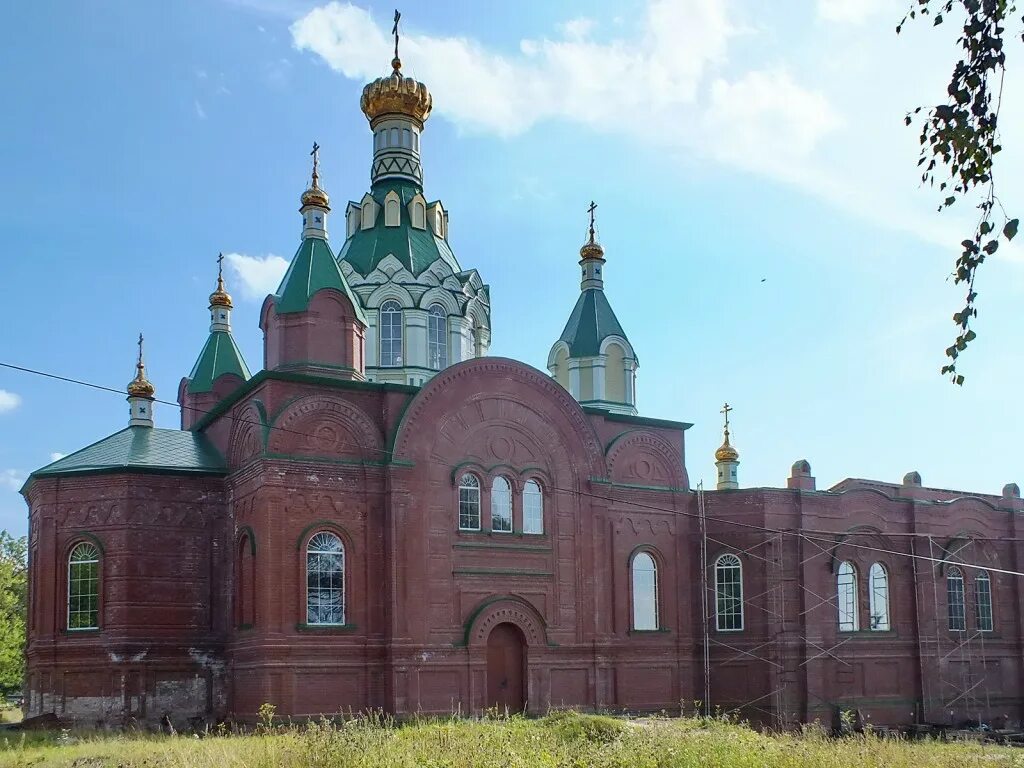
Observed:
{"x":506,"y":668}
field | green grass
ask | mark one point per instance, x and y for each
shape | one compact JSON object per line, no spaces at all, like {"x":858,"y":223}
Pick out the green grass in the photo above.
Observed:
{"x":579,"y":741}
{"x":9,"y":714}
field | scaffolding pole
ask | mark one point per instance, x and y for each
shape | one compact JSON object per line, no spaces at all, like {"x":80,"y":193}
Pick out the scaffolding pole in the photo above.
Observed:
{"x":704,"y":598}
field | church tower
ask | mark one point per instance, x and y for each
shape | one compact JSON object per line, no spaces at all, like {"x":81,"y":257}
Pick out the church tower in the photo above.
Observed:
{"x":592,"y":358}
{"x":314,"y":323}
{"x":424,"y":311}
{"x":727,"y":459}
{"x":220,"y":367}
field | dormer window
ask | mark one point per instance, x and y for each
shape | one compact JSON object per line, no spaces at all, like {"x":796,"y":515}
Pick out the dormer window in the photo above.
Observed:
{"x":392,"y":210}
{"x":418,"y":213}
{"x":368,"y":212}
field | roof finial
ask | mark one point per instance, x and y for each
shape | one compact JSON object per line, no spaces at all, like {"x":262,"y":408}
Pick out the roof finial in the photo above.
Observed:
{"x":726,"y":452}
{"x":220,"y":297}
{"x":725,"y":410}
{"x":140,"y":386}
{"x":592,"y":249}
{"x":315,"y":195}
{"x":590,"y":210}
{"x":316,"y":165}
{"x":396,"y":62}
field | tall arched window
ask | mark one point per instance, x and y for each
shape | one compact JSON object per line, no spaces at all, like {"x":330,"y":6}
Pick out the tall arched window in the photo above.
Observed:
{"x":644,"y":574}
{"x":469,"y":503}
{"x":728,"y":594}
{"x":878,"y":597}
{"x":533,"y":507}
{"x":846,"y":597}
{"x":955,"y":600}
{"x":390,"y":334}
{"x":325,"y":580}
{"x":983,"y":600}
{"x":84,"y":587}
{"x":501,"y":505}
{"x":437,"y":337}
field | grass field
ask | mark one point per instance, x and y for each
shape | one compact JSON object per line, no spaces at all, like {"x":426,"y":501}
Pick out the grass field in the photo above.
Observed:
{"x":565,"y":739}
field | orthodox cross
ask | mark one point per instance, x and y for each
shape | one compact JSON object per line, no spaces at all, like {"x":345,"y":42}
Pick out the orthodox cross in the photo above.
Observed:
{"x":726,"y":410}
{"x":220,"y":267}
{"x":140,"y":366}
{"x":590,"y":210}
{"x":316,"y":164}
{"x":394,"y":31}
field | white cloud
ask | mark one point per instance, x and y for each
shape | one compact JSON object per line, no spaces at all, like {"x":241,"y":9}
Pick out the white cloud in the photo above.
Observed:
{"x":56,"y":456}
{"x":200,"y":112}
{"x":849,"y":11}
{"x":578,"y":28}
{"x":8,"y":401}
{"x":11,"y":479}
{"x":258,"y":275}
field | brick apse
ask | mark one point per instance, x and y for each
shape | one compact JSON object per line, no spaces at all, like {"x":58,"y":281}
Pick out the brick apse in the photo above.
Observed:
{"x":385,"y":517}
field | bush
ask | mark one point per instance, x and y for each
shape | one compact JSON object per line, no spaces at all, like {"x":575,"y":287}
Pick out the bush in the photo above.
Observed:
{"x":575,"y":725}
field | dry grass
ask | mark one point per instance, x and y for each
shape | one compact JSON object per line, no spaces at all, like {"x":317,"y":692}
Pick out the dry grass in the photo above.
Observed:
{"x":573,"y":740}
{"x":9,"y":715}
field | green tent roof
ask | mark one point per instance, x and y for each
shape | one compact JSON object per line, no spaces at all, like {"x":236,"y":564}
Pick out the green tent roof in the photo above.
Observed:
{"x":313,"y":269}
{"x":142,"y":448}
{"x":220,"y":356}
{"x":591,"y":322}
{"x":416,"y":249}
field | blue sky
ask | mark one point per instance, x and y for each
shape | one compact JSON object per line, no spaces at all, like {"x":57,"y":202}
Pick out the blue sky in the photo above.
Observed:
{"x":767,"y":241}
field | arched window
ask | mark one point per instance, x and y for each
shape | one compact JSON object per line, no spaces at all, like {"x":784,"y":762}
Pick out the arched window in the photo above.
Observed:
{"x":325,"y":580}
{"x":983,"y":598}
{"x":878,"y":597}
{"x":390,"y":334}
{"x":533,"y":508}
{"x":437,"y":337}
{"x":392,"y":212}
{"x":406,"y":139}
{"x":84,"y":587}
{"x":469,"y":503}
{"x":615,"y":374}
{"x":419,"y":215}
{"x":846,"y":597}
{"x":394,"y":138}
{"x":501,"y":506}
{"x":728,"y":594}
{"x":955,"y":600}
{"x":645,"y":591}
{"x":245,"y":577}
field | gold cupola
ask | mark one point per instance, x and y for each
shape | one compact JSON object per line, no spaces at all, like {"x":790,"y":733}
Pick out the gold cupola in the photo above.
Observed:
{"x":726,"y":452}
{"x":315,"y":195}
{"x":220,"y":297}
{"x":396,"y":95}
{"x":140,"y":386}
{"x":727,"y":459}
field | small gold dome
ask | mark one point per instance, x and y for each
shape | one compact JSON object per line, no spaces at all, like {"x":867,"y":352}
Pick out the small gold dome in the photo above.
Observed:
{"x":592,"y":250}
{"x":220,"y":297}
{"x":140,"y":385}
{"x":315,"y":196}
{"x":727,"y":452}
{"x":396,"y":94}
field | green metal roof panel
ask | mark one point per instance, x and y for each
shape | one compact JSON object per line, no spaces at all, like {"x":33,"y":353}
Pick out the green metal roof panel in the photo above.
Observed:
{"x":313,"y":269}
{"x":591,"y":322}
{"x":416,"y":249}
{"x":143,"y":448}
{"x":220,"y":356}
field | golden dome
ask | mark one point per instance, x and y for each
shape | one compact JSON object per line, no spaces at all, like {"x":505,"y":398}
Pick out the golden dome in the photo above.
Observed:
{"x":140,"y":385}
{"x":315,"y":195}
{"x":727,"y":452}
{"x":396,"y":95}
{"x":220,"y":297}
{"x":592,"y":250}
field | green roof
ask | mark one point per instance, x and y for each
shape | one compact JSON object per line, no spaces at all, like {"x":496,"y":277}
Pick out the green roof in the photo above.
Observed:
{"x":142,"y":448}
{"x":591,"y":322}
{"x":313,"y":269}
{"x":220,"y":356}
{"x":416,"y":249}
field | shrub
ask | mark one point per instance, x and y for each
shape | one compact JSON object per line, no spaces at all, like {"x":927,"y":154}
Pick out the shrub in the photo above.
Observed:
{"x":575,"y":725}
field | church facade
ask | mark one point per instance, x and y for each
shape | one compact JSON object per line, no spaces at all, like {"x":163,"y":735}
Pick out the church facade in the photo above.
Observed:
{"x":384,"y":516}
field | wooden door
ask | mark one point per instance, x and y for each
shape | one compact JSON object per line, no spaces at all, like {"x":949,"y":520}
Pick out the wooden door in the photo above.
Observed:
{"x":506,"y":668}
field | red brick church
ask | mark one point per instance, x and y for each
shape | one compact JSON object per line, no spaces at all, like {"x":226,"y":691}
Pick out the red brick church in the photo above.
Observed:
{"x":386,"y":517}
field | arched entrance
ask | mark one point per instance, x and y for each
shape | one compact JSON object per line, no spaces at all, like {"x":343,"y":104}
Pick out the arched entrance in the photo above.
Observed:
{"x":506,"y":668}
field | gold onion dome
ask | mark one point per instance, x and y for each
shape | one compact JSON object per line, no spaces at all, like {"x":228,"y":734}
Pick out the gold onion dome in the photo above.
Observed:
{"x":726,"y":452}
{"x":592,"y":250}
{"x":315,"y":196}
{"x":220,"y":297}
{"x":396,"y":95}
{"x":140,"y":385}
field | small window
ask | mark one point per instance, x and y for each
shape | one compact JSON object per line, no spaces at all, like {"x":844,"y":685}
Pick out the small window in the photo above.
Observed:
{"x":437,"y":338}
{"x":728,"y":594}
{"x":390,"y":334}
{"x":245,"y":567}
{"x":394,"y":138}
{"x":501,"y":506}
{"x":955,"y":600}
{"x":846,"y":597}
{"x":415,"y":141}
{"x":406,"y":139}
{"x":533,"y":508}
{"x":419,"y":217}
{"x":878,"y":597}
{"x":84,"y":587}
{"x":325,"y":580}
{"x":367,"y":214}
{"x":645,"y":592}
{"x":469,"y":503}
{"x":983,"y":597}
{"x":392,"y":212}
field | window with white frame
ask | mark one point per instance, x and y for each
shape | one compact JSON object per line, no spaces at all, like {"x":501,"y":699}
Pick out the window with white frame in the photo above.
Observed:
{"x":437,"y":337}
{"x":469,"y":503}
{"x":390,"y":334}
{"x":325,"y":580}
{"x":983,"y":601}
{"x":846,"y":597}
{"x":728,"y":593}
{"x":84,"y":587}
{"x":533,"y":507}
{"x":501,"y":505}
{"x":644,"y":576}
{"x":878,"y":597}
{"x":955,"y":600}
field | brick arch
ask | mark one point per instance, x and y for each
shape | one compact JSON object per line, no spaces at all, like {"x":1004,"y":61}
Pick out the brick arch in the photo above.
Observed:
{"x":646,"y":458}
{"x":322,"y":425}
{"x":248,"y":434}
{"x":505,"y":609}
{"x":494,"y":378}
